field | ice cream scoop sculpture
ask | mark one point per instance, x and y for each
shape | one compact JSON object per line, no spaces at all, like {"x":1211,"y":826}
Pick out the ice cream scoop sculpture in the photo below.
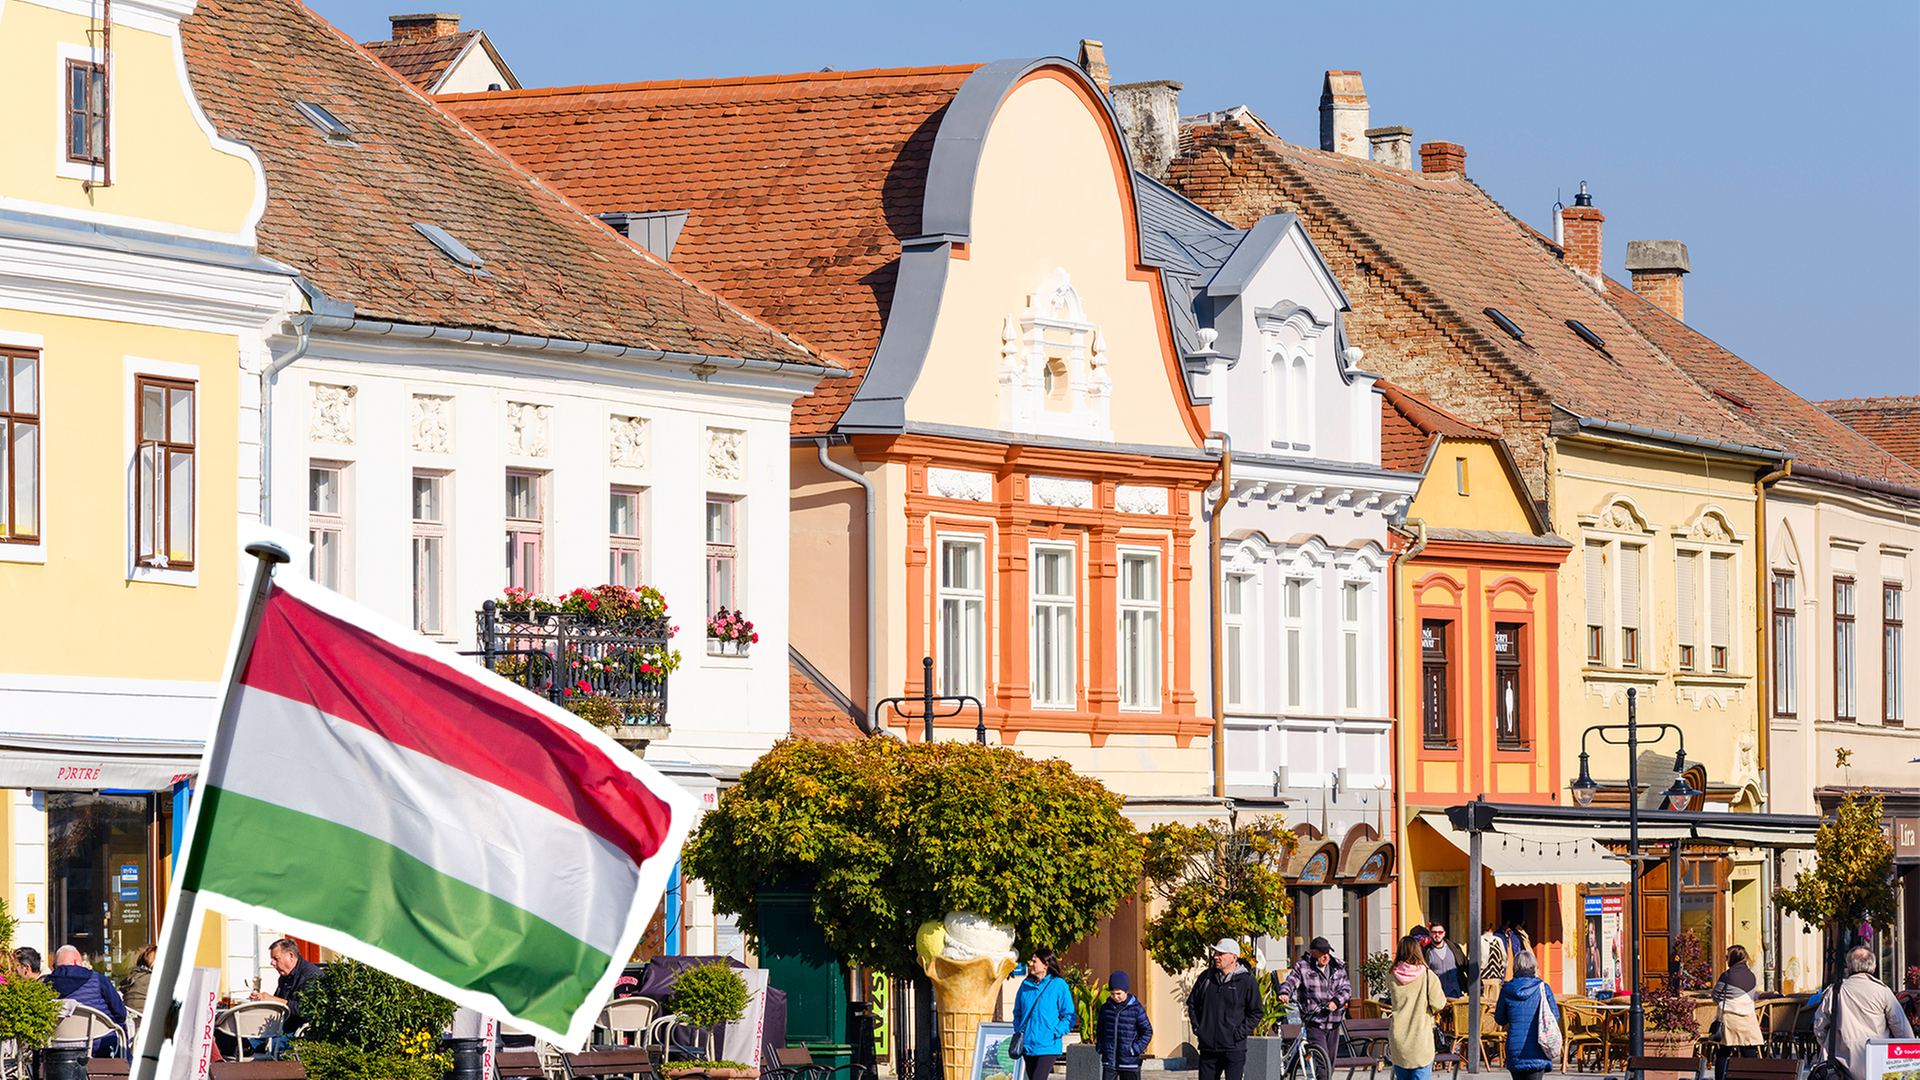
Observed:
{"x":967,"y":957}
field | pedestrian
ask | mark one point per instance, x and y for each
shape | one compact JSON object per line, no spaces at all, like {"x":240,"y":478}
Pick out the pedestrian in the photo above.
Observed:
{"x":1320,"y":982}
{"x":1447,"y":960}
{"x":1493,"y":963}
{"x":1122,"y":1030}
{"x":1867,"y":1010}
{"x":133,"y":986}
{"x":1224,"y":1008}
{"x":1042,"y":1014}
{"x":1522,"y":997}
{"x":1417,"y":998}
{"x":26,"y":962}
{"x":73,"y":980}
{"x":1739,"y":1021}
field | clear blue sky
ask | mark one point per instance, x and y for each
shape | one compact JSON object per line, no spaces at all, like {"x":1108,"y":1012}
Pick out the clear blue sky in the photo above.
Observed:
{"x":1780,"y":142}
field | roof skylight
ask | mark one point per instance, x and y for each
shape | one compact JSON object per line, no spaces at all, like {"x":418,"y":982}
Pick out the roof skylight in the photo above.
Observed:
{"x":329,"y":124}
{"x":1508,"y":325}
{"x":1587,"y":335}
{"x":454,"y":249}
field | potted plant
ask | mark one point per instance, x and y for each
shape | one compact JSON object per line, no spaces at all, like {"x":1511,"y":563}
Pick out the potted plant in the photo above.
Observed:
{"x":705,"y":997}
{"x":730,"y":631}
{"x":1671,"y":1026}
{"x":29,"y":1010}
{"x":364,"y":1024}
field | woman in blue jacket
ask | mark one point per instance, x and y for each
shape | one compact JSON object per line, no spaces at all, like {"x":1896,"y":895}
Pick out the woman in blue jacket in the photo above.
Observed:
{"x":1522,"y":997}
{"x":1042,"y":1013}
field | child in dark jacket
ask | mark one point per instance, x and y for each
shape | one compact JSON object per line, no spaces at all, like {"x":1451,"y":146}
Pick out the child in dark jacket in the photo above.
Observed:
{"x":1122,"y":1031}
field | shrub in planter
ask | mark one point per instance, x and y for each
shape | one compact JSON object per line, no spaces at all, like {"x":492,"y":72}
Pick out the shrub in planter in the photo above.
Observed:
{"x":709,"y":994}
{"x":364,"y":1024}
{"x":29,"y":1010}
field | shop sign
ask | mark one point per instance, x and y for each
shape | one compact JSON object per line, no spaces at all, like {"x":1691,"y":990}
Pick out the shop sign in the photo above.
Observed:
{"x":1316,"y":870}
{"x":1906,"y":838}
{"x":1605,"y":938}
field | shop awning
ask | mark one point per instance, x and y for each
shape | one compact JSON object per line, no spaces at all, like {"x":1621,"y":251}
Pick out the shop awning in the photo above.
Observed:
{"x":1610,"y":825}
{"x":1541,"y":857}
{"x":81,"y":763}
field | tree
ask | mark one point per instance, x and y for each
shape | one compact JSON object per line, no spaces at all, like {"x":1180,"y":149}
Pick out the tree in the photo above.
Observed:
{"x":1851,"y":881}
{"x":1218,"y":882}
{"x":890,"y":834}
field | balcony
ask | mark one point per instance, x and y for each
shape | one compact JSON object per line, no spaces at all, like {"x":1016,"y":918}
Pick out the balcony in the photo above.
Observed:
{"x":612,"y":672}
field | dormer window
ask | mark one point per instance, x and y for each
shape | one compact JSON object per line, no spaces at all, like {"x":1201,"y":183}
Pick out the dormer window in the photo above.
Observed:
{"x":329,"y":124}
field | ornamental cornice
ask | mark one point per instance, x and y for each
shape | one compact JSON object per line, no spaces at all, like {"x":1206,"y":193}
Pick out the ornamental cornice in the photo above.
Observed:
{"x":94,"y":283}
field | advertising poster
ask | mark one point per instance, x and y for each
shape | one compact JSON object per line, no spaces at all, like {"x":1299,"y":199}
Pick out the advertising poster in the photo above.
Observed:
{"x":1605,"y":932}
{"x":1893,"y":1059}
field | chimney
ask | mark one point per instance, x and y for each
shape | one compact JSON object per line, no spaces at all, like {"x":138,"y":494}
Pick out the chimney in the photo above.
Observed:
{"x":1392,"y":146}
{"x":1443,"y":157}
{"x":432,"y":24}
{"x":1093,"y":61}
{"x":1343,"y":114}
{"x":1149,"y":113}
{"x":1580,"y":233}
{"x":1657,"y":267}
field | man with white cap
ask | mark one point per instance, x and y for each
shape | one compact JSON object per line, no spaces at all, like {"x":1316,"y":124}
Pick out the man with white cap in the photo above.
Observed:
{"x":1224,"y":1008}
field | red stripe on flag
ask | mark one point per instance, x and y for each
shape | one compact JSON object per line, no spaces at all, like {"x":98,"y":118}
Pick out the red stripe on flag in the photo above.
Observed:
{"x":419,"y":703}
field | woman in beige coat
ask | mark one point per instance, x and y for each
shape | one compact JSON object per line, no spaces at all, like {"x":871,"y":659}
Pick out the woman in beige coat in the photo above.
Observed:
{"x":1739,"y":1022}
{"x":1417,"y":998}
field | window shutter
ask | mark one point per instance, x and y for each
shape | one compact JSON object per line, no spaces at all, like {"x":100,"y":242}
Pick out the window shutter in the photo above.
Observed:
{"x":1596,"y":583}
{"x":1718,"y":598}
{"x":1629,"y":587}
{"x":1683,"y":591}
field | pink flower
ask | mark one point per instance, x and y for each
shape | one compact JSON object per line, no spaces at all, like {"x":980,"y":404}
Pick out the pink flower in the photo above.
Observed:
{"x":756,"y":639}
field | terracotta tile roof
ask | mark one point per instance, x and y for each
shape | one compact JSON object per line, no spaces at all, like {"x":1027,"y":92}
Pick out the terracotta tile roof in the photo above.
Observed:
{"x":1409,"y":424}
{"x":815,"y":708}
{"x":799,"y":187}
{"x":421,"y":62}
{"x":1776,"y":416}
{"x":344,"y":214}
{"x":1893,"y":423}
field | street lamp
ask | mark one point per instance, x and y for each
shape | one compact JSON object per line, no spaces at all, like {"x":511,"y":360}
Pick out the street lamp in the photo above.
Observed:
{"x":1679,"y":797}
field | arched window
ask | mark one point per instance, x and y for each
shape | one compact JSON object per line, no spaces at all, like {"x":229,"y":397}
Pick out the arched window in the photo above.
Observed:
{"x":1299,"y":404}
{"x":1277,"y":434}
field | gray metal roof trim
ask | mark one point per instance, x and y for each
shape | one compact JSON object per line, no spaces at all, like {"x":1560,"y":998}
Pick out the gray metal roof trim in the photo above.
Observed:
{"x":1616,"y":427}
{"x":1169,"y":209}
{"x":1265,"y":235}
{"x":1869,"y":485}
{"x":39,"y":227}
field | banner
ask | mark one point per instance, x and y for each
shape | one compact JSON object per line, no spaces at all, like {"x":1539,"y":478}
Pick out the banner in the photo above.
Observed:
{"x":1893,"y":1059}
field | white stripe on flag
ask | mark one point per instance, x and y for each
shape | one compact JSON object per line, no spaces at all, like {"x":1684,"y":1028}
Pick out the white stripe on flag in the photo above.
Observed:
{"x":291,"y":754}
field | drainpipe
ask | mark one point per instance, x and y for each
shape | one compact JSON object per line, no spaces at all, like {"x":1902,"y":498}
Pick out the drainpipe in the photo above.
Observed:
{"x":302,"y":326}
{"x":1400,"y":823}
{"x":1219,"y":626}
{"x":868,"y":723}
{"x":1763,"y":667}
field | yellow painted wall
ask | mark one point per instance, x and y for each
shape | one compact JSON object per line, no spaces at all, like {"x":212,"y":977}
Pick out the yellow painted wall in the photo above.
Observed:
{"x":165,"y":168}
{"x":105,"y":625}
{"x":1490,"y":501}
{"x":1047,"y":196}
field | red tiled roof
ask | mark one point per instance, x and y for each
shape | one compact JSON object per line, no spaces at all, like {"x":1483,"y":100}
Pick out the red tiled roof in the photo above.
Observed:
{"x":799,"y":187}
{"x":1409,"y":424}
{"x":816,"y":711}
{"x":1893,"y":423}
{"x":423,"y":60}
{"x":344,"y":214}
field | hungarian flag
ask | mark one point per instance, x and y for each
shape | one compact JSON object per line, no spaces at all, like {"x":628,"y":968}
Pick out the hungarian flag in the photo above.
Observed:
{"x":380,"y":795}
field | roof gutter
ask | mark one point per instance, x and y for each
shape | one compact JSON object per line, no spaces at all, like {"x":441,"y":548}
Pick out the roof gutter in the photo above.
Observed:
{"x":596,"y":350}
{"x":1878,"y":487}
{"x":268,"y":379}
{"x":1594,"y":423}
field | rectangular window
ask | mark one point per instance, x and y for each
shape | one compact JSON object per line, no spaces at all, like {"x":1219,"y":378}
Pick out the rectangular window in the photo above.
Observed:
{"x":326,"y":523}
{"x":1240,"y":656}
{"x":1891,"y":624}
{"x":1784,"y":691}
{"x":623,"y":536}
{"x":1719,"y":610}
{"x":19,"y":446}
{"x":526,"y":530}
{"x":963,"y":617}
{"x":1139,"y":630}
{"x":1596,"y":571}
{"x":723,"y":554}
{"x":1460,"y":476}
{"x":1630,"y":605}
{"x":1053,"y":628}
{"x":1295,"y":595}
{"x":1686,"y":596}
{"x":164,"y":513}
{"x":1509,"y":706}
{"x":1436,"y":724}
{"x":429,"y":552}
{"x":1845,"y":706}
{"x":1350,"y":608}
{"x":86,"y":112}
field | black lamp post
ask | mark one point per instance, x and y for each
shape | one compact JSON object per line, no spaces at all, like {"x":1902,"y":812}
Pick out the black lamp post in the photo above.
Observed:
{"x":1679,"y":797}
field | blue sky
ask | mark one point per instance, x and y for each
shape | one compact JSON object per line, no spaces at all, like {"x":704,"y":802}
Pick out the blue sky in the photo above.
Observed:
{"x":1780,"y":142}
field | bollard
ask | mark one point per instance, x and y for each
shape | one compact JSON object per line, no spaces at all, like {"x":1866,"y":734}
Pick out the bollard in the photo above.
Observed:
{"x":65,"y":1063}
{"x":467,"y":1055}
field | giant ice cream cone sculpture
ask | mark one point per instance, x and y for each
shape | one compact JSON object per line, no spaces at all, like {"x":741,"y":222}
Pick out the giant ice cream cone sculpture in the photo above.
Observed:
{"x":973,"y":958}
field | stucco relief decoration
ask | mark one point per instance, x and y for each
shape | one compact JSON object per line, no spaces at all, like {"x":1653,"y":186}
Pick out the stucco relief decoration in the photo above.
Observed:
{"x":432,"y":423}
{"x":1615,"y":693}
{"x":1620,"y":517}
{"x":960,"y":484}
{"x":332,"y":413}
{"x":1059,"y":491}
{"x":1053,"y":365}
{"x":527,"y":428}
{"x":1132,"y":499}
{"x":726,"y":454}
{"x":1711,"y":527}
{"x":627,"y":442}
{"x":1696,"y":695}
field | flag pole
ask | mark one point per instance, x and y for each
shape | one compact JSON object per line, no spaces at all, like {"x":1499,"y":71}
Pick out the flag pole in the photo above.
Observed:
{"x":183,"y":922}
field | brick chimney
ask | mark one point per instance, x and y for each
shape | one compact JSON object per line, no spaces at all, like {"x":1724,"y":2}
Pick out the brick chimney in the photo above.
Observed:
{"x":1343,"y":114}
{"x":1392,"y":146}
{"x":432,"y":24}
{"x":1443,"y":157}
{"x":1580,"y":233}
{"x":1657,"y":267}
{"x":1093,"y":61}
{"x":1149,"y":113}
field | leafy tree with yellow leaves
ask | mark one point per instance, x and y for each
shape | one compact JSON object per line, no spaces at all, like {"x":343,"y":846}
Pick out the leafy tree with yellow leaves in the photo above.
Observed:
{"x":1852,"y":880}
{"x":1216,"y":881}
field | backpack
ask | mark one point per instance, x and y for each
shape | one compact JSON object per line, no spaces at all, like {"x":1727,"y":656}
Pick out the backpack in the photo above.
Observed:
{"x":1546,"y":1028}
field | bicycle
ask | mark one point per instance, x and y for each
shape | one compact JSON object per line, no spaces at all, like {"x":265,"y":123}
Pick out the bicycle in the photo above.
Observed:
{"x":1305,"y":1059}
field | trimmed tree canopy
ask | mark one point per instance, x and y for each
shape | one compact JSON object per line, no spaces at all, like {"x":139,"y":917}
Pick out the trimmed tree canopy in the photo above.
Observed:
{"x":890,"y":834}
{"x":1218,"y":882}
{"x":1852,"y":880}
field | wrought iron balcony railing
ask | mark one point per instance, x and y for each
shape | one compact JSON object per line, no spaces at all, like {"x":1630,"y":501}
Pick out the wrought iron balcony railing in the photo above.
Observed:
{"x":582,"y":662}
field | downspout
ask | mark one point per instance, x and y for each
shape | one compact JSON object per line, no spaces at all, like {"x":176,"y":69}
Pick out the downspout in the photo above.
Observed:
{"x":1219,"y":625}
{"x":1400,"y":823}
{"x":1763,"y":607}
{"x":867,"y":721}
{"x":303,"y":327}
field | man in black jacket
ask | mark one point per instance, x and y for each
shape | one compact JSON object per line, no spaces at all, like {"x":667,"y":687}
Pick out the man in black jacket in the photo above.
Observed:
{"x":1224,"y":1008}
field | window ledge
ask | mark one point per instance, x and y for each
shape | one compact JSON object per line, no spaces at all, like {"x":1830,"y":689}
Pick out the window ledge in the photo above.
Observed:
{"x":12,"y":552}
{"x":727,"y":660}
{"x":155,"y":576}
{"x":1715,"y":678}
{"x":1622,"y":674}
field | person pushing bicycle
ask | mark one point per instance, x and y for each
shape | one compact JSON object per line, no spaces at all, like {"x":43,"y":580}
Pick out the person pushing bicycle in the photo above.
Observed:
{"x":1320,"y":983}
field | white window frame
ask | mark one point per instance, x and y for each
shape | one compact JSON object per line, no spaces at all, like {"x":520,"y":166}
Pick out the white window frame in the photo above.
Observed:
{"x":425,"y":533}
{"x":1846,"y":649}
{"x":321,"y":524}
{"x":1239,"y":605}
{"x":35,"y":550}
{"x":1783,"y":633}
{"x":1722,"y":641}
{"x":135,"y":367}
{"x":1893,"y":681}
{"x":1687,"y":623}
{"x":1063,"y":692}
{"x":1618,"y":625}
{"x":1354,"y":596}
{"x":526,"y":571}
{"x":1297,"y":598}
{"x":723,"y":551}
{"x":627,"y":546}
{"x":960,"y":611}
{"x":1141,"y":652}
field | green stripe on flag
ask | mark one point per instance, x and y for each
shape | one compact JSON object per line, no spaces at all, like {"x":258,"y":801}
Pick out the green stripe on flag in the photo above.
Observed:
{"x":325,"y":873}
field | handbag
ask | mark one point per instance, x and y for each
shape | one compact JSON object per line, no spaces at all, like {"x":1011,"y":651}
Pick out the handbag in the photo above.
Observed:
{"x":1547,"y":1028}
{"x":1831,"y":1067}
{"x":1017,"y":1046}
